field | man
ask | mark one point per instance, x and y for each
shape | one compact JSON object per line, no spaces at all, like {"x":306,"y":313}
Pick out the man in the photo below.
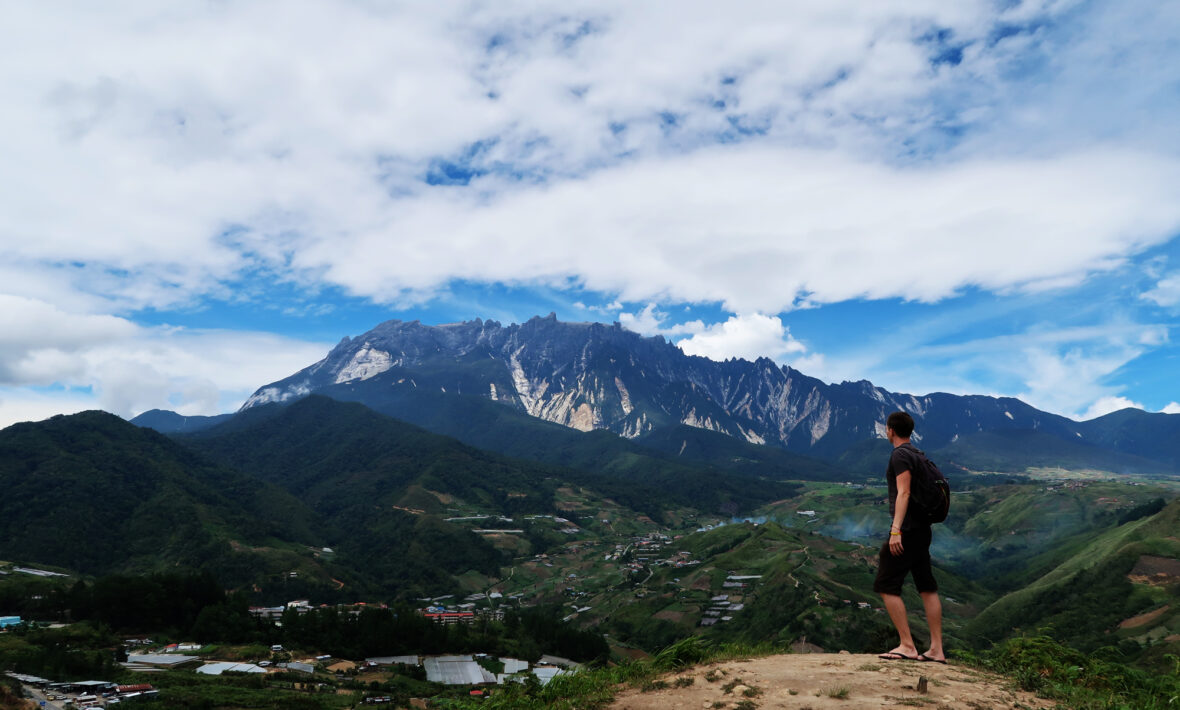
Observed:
{"x":907,"y":551}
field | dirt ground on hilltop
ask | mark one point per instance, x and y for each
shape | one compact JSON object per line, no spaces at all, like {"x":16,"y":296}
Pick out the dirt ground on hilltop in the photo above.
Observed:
{"x":824,"y":681}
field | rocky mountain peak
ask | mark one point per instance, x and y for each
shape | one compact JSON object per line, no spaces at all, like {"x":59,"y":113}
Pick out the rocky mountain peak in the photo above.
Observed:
{"x":599,"y":376}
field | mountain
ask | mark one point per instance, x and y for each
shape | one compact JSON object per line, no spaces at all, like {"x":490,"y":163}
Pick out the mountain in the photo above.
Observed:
{"x":592,"y":376}
{"x":382,"y":486}
{"x":93,"y":493}
{"x":691,"y":444}
{"x":308,"y":445}
{"x":1017,"y":450}
{"x":167,"y":422}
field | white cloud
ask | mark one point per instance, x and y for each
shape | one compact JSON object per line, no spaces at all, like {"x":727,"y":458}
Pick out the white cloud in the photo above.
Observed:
{"x":763,"y":156}
{"x":750,"y":337}
{"x":197,"y":143}
{"x":24,"y":405}
{"x":650,"y":320}
{"x":104,"y":362}
{"x":1054,"y":366}
{"x":1069,"y":371}
{"x":1106,"y":405}
{"x":757,"y":229}
{"x":747,"y":336}
{"x":1166,"y":292}
{"x":1171,"y":408}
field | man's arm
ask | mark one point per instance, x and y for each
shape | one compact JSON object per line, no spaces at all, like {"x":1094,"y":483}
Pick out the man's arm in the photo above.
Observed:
{"x":899,"y":510}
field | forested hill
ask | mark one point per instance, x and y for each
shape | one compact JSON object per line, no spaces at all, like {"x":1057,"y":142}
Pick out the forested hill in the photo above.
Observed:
{"x":96,"y":494}
{"x":309,"y":445}
{"x":256,"y":499}
{"x":1116,"y":589}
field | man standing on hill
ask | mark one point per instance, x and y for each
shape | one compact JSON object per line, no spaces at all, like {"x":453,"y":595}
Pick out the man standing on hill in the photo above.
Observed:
{"x":908,"y":549}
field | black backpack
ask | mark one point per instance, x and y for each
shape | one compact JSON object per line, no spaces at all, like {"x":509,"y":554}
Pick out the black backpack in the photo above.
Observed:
{"x":929,"y":490}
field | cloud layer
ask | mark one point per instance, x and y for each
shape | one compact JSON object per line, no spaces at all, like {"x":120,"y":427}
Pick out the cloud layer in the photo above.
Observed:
{"x":683,"y":155}
{"x":55,"y":361}
{"x":761,"y":157}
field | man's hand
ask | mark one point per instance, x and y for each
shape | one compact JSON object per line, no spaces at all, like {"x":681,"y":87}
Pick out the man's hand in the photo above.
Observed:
{"x":895,"y":543}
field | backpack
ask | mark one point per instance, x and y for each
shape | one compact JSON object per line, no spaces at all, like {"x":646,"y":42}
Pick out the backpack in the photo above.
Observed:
{"x":930,"y":490}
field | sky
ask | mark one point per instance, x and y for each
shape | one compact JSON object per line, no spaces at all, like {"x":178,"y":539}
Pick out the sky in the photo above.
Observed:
{"x":199,"y":198}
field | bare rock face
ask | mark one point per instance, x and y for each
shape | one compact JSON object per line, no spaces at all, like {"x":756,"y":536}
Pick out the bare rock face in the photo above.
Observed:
{"x":591,"y":376}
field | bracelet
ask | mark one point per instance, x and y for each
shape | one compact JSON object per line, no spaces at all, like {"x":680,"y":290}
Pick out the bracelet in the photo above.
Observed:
{"x":894,"y":533}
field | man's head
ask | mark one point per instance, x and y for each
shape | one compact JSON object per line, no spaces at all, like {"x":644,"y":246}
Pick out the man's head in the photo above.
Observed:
{"x":900,"y":425}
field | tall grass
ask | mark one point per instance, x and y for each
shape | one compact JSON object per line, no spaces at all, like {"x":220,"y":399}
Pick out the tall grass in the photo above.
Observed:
{"x":1082,"y":681}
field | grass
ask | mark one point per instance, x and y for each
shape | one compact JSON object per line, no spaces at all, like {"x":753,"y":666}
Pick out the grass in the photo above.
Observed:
{"x":839,"y":693}
{"x":1079,"y":680}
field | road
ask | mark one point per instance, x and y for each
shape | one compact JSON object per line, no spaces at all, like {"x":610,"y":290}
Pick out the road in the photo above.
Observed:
{"x":39,"y":698}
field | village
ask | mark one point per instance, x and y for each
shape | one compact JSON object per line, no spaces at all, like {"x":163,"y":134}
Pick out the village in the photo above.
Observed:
{"x":322,"y":673}
{"x":600,"y":560}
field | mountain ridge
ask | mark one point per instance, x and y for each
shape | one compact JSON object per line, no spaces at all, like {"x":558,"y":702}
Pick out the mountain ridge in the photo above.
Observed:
{"x":592,"y":376}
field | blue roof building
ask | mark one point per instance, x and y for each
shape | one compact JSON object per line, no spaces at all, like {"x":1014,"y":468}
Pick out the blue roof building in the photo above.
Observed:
{"x":6,"y":621}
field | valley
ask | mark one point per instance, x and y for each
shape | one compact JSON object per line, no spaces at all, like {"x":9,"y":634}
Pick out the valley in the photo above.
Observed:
{"x":377,"y":517}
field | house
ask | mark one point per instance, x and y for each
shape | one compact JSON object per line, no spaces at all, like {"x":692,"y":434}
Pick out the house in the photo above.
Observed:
{"x":456,"y":670}
{"x":158,"y":661}
{"x":228,"y":667}
{"x":93,"y":687}
{"x":392,"y":660}
{"x":268,"y":612}
{"x":300,"y":667}
{"x":450,"y":617}
{"x":547,"y":673}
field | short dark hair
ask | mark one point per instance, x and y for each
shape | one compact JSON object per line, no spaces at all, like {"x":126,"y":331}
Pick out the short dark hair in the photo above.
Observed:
{"x":901,"y":423}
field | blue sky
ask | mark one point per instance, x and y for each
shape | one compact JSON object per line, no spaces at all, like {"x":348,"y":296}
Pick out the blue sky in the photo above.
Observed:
{"x":974,"y":197}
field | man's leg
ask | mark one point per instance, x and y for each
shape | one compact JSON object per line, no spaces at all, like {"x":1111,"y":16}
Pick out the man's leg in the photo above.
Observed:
{"x":897,"y":614}
{"x":933,"y":606}
{"x":927,"y":588}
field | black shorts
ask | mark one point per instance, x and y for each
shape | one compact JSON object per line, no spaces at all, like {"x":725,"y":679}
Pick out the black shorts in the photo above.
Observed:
{"x":914,"y":559}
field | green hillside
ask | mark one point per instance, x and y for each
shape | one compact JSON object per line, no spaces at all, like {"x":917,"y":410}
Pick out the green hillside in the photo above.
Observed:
{"x":92,"y":493}
{"x":1016,"y":451}
{"x":384,"y":487}
{"x":1120,"y":589}
{"x":641,"y":478}
{"x":759,"y":584}
{"x":1011,"y":534}
{"x":701,"y":446}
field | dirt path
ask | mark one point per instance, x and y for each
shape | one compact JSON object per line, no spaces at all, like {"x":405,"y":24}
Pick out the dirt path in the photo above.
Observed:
{"x":823,"y":681}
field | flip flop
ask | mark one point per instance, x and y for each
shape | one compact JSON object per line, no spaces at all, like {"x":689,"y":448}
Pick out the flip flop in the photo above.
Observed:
{"x":895,"y":656}
{"x":927,"y":659}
